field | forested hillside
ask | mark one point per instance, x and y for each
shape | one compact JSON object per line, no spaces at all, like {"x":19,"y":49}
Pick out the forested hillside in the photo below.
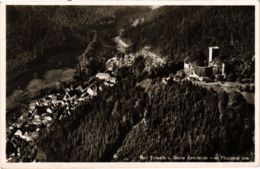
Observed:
{"x":177,"y":32}
{"x":133,"y":122}
{"x":35,"y":31}
{"x":135,"y":104}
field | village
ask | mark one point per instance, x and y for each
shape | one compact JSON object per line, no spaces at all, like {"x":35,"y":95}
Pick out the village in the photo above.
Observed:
{"x":45,"y":111}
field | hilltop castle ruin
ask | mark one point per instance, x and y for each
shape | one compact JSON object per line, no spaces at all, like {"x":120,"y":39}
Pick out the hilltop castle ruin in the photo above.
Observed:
{"x":199,"y":68}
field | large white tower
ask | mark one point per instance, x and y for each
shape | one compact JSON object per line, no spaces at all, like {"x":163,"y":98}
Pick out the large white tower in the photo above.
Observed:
{"x":212,"y":52}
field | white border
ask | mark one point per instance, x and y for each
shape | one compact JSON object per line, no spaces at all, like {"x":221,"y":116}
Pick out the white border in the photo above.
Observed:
{"x":4,"y":164}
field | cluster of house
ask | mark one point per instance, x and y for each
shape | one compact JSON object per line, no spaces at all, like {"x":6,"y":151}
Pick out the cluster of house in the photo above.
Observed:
{"x":151,"y":60}
{"x":116,"y":62}
{"x":42,"y":112}
{"x":201,"y":69}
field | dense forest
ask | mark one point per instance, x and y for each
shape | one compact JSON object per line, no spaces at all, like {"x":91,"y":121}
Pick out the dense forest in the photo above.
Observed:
{"x":178,"y":31}
{"x":141,"y":116}
{"x":132,"y":121}
{"x":36,"y":31}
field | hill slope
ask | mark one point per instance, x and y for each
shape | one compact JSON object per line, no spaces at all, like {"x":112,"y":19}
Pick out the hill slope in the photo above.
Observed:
{"x":36,"y":31}
{"x":143,"y":117}
{"x":177,"y":31}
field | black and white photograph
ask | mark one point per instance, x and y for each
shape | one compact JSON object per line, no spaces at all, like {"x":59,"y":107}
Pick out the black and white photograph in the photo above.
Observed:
{"x":130,"y":83}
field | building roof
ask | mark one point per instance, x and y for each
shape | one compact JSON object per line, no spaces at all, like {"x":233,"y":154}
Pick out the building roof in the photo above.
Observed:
{"x":103,"y":76}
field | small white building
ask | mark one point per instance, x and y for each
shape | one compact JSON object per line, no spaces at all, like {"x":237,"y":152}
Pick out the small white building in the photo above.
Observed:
{"x":106,"y":77}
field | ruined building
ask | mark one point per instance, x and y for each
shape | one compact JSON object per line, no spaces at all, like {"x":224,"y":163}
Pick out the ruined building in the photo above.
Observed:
{"x":199,"y":68}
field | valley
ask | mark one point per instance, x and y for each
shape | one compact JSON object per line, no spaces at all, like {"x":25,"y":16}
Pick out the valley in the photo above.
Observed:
{"x":122,"y":98}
